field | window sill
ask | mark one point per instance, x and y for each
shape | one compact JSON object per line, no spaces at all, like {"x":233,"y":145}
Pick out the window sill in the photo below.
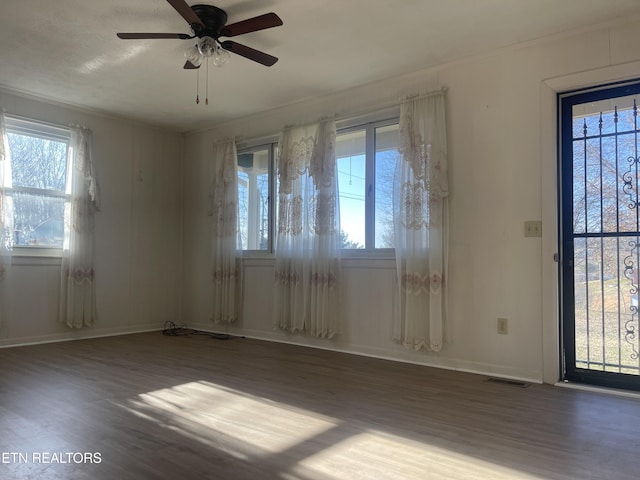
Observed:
{"x":354,"y":259}
{"x":361,"y":253}
{"x":255,"y":254}
{"x":36,"y":256}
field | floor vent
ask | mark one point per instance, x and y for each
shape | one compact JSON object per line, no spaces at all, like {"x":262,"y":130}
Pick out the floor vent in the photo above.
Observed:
{"x":512,"y":383}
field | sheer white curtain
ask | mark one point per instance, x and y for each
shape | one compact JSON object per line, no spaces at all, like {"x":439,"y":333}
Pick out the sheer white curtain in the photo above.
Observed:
{"x":77,"y":282}
{"x":223,"y":195}
{"x":308,"y":236}
{"x":6,"y":217}
{"x":421,"y":224}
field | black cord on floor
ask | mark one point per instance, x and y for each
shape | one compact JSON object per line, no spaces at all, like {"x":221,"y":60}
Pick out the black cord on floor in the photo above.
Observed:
{"x":171,"y":330}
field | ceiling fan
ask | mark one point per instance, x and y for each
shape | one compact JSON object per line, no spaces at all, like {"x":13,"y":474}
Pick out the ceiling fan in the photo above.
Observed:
{"x":208,"y":24}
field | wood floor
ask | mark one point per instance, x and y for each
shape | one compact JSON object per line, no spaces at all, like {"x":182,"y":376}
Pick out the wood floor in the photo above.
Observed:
{"x":149,"y":406}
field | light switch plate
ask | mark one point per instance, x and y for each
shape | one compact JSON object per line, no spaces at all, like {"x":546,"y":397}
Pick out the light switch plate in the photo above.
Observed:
{"x":533,"y":228}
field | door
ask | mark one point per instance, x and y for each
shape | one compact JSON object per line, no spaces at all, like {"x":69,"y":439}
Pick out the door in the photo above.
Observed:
{"x":600,"y":239}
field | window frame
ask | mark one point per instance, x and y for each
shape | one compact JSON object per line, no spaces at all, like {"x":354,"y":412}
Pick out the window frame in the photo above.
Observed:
{"x":47,"y":131}
{"x":271,"y":147}
{"x":369,"y":127}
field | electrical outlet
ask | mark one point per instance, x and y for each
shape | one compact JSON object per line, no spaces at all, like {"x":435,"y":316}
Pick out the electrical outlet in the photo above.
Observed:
{"x":503,"y":326}
{"x":533,"y":228}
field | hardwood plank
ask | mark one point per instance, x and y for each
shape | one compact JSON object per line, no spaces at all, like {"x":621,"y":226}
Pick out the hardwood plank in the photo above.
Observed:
{"x":158,"y":407}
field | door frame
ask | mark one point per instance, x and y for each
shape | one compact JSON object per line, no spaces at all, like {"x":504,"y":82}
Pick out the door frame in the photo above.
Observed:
{"x":551,"y":361}
{"x":569,"y":371}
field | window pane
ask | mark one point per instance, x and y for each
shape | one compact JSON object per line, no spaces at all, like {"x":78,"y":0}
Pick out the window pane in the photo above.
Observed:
{"x":37,"y":162}
{"x":253,"y":199}
{"x":351,"y":163}
{"x":386,"y":158}
{"x":38,"y":220}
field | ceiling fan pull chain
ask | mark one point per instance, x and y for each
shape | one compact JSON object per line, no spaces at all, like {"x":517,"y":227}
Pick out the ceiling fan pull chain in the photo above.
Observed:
{"x":206,"y":100}
{"x":198,"y":87}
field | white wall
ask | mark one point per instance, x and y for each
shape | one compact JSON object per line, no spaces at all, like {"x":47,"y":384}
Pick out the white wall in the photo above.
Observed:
{"x":137,"y":230}
{"x":501,"y":131}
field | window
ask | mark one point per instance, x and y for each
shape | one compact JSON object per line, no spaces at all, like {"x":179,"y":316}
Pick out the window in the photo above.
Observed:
{"x":366,"y":160}
{"x":38,"y":182}
{"x":255,"y":167}
{"x":366,"y":157}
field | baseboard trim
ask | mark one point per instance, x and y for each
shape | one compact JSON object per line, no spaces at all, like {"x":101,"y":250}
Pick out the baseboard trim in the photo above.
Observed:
{"x":83,"y":334}
{"x":487,"y":370}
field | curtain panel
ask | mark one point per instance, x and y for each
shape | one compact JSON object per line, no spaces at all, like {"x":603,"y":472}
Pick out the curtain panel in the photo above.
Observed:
{"x":6,"y":217}
{"x":421,"y":224}
{"x":307,"y":272}
{"x":77,"y":283}
{"x":223,"y":197}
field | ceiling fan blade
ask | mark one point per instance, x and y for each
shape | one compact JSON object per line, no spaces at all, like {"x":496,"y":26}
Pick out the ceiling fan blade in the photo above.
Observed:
{"x":261,"y":22}
{"x":138,"y":36}
{"x":190,"y":66}
{"x":185,"y":11}
{"x":250,"y":53}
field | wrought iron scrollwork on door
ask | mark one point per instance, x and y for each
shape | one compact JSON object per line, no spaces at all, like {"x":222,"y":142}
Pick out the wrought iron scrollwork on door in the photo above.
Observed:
{"x":630,"y":182}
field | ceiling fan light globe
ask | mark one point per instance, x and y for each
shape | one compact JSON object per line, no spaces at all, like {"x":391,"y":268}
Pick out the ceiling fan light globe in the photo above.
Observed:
{"x":222,"y":57}
{"x":207,"y":46}
{"x":194,"y":56}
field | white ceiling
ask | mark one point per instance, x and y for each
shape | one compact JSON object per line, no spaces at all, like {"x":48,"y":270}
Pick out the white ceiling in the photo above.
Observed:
{"x":67,"y":50}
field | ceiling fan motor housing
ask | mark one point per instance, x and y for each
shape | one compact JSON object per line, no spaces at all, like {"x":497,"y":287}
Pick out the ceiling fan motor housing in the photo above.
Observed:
{"x":214,"y":19}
